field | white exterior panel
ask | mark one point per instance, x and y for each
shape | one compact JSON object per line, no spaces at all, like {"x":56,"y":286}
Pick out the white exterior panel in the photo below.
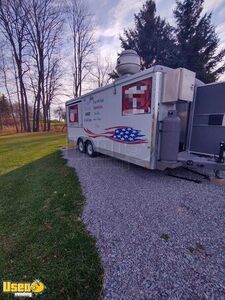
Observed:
{"x":120,"y":121}
{"x":102,"y":114}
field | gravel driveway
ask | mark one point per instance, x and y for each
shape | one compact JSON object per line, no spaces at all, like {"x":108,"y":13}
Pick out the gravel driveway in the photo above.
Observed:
{"x":159,"y":237}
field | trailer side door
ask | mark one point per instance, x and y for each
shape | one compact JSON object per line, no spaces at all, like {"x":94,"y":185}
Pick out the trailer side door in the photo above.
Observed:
{"x":208,"y":128}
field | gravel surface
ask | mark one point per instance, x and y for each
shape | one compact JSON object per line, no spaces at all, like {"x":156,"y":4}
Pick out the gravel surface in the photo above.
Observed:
{"x":159,"y":237}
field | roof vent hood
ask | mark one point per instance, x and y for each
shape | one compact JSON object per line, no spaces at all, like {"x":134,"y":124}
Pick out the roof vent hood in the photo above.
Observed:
{"x":128,"y":63}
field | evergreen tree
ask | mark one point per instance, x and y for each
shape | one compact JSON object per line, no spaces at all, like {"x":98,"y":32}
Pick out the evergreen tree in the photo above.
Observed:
{"x":4,"y":110}
{"x":152,"y":38}
{"x":4,"y":106}
{"x":197,"y":41}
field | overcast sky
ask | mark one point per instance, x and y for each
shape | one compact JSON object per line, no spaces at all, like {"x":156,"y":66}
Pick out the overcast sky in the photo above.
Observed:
{"x":112,"y":16}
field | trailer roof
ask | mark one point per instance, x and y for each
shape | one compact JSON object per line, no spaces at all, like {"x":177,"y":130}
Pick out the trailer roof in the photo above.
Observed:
{"x":122,"y":79}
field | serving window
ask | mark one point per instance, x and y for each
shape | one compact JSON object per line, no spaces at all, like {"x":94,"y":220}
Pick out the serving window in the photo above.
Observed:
{"x":136,"y":97}
{"x":73,"y":113}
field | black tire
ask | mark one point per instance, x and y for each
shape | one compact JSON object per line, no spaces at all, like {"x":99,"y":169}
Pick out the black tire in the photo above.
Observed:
{"x":90,"y":149}
{"x":220,"y":174}
{"x":81,"y":146}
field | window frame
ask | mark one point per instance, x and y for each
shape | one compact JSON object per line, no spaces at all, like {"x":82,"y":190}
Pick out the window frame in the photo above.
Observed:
{"x":73,"y":107}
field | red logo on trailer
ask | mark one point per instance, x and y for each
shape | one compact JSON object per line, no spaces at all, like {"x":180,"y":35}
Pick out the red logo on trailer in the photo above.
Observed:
{"x":136,"y":97}
{"x":73,"y":113}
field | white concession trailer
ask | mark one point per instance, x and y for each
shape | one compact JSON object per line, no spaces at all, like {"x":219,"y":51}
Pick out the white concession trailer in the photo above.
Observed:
{"x":157,"y":118}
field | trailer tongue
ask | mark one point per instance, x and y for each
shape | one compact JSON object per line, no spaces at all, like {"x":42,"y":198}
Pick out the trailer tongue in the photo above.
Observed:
{"x":211,"y":162}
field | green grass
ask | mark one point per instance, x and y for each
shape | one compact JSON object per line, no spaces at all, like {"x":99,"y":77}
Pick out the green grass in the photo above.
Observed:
{"x":41,"y":233}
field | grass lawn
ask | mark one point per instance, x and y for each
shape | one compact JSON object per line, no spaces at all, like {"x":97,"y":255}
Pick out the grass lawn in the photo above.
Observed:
{"x":41,"y":233}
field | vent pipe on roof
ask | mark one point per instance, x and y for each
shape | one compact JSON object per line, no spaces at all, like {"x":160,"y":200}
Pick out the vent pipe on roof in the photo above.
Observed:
{"x":128,"y":63}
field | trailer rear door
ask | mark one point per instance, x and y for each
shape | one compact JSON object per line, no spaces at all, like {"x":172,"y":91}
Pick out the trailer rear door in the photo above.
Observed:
{"x":209,"y":119}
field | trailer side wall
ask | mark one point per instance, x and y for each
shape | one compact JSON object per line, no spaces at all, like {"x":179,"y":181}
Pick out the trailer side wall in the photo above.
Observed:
{"x":120,"y":120}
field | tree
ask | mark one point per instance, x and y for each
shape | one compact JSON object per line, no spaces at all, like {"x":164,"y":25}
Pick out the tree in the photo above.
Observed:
{"x":197,"y":41}
{"x":4,"y":111}
{"x":12,"y":25}
{"x":152,"y":37}
{"x":4,"y":71}
{"x":44,"y":26}
{"x":60,"y":113}
{"x":100,"y":72}
{"x":31,"y":31}
{"x":80,"y":24}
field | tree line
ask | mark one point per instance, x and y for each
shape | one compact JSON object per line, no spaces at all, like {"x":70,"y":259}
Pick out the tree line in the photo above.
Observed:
{"x":37,"y":35}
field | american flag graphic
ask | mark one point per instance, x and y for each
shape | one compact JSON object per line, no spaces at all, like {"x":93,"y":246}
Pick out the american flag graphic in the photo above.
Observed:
{"x":121,"y":134}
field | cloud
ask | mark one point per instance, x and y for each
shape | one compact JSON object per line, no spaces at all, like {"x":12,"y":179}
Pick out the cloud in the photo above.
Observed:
{"x":221,"y":13}
{"x":220,"y":29}
{"x":121,"y":16}
{"x":212,"y":5}
{"x":165,"y":10}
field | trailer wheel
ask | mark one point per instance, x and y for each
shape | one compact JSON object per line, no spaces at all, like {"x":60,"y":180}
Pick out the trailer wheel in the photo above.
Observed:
{"x":90,"y":149}
{"x":220,"y":174}
{"x":81,"y":146}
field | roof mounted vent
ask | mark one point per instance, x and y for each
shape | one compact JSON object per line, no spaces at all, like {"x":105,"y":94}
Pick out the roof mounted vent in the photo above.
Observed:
{"x":128,"y":63}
